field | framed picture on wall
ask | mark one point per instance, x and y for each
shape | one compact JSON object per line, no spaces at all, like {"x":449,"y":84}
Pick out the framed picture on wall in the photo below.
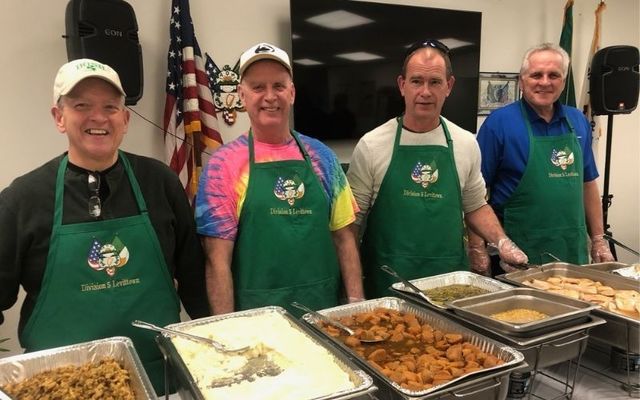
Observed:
{"x":496,"y":90}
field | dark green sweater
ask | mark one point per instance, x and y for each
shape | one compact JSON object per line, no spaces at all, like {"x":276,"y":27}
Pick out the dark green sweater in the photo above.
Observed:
{"x":26,"y":218}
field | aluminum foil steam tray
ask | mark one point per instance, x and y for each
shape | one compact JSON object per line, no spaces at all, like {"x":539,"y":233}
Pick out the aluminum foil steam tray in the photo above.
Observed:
{"x":451,"y":278}
{"x":188,"y":388}
{"x":18,"y":368}
{"x":513,"y":359}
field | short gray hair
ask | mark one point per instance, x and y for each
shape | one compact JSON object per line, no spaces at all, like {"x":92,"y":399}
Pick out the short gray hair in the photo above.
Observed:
{"x":546,"y":47}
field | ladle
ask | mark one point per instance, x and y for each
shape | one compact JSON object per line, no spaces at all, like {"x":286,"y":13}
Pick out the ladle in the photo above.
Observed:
{"x":217,"y":345}
{"x":337,"y":324}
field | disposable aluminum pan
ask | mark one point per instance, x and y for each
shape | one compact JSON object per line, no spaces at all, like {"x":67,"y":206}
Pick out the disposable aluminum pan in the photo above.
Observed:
{"x":620,"y":331}
{"x":452,"y":278}
{"x":188,"y":388}
{"x":551,"y":348}
{"x":18,"y":368}
{"x":561,"y":311}
{"x":511,"y":357}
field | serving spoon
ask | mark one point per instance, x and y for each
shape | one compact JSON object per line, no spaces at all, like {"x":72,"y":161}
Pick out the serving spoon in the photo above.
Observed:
{"x":337,"y":324}
{"x":217,"y":345}
{"x":406,"y":282}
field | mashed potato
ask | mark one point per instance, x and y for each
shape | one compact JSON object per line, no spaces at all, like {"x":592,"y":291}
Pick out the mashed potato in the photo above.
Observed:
{"x":307,"y":369}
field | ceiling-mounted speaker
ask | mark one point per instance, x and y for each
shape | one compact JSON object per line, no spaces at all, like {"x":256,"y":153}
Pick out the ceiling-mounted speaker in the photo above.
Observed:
{"x":107,"y":31}
{"x":614,"y":81}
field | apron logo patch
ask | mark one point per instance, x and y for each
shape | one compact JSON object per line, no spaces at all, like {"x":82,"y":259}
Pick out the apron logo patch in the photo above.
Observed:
{"x":424,"y":174}
{"x":109,"y":256}
{"x":288,"y":190}
{"x":562,"y":158}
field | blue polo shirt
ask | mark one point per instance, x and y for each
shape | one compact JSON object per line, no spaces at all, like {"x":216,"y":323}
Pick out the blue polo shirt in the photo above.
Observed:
{"x":504,"y":144}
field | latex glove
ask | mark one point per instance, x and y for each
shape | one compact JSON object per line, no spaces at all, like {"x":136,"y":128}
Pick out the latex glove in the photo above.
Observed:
{"x":510,"y":254}
{"x":600,"y":250}
{"x":479,"y":259}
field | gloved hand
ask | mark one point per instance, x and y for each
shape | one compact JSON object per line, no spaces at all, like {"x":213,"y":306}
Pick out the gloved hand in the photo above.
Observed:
{"x":600,"y":250}
{"x":479,"y":259}
{"x":510,"y":254}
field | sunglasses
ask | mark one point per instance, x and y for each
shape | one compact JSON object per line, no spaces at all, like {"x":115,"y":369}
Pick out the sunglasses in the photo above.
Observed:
{"x":95,"y":206}
{"x":433,"y":43}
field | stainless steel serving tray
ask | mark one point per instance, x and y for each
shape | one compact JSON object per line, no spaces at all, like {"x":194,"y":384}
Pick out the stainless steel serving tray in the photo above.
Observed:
{"x":562,"y":311}
{"x":513,"y":358}
{"x":612,"y":267}
{"x":620,"y":331}
{"x":452,"y":278}
{"x":188,"y":388}
{"x":18,"y":368}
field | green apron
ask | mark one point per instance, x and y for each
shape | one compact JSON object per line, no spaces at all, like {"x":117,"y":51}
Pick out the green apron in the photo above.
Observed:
{"x":99,"y":277}
{"x":546,"y":211}
{"x":284,"y":251}
{"x":415,"y":225}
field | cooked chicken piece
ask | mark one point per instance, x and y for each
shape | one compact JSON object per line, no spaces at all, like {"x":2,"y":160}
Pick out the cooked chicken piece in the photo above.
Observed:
{"x":606,"y":290}
{"x":566,"y":292}
{"x":583,"y":289}
{"x":596,"y":298}
{"x":628,"y":294}
{"x":538,"y":284}
{"x":556,"y":280}
{"x":586,"y":282}
{"x":623,"y":304}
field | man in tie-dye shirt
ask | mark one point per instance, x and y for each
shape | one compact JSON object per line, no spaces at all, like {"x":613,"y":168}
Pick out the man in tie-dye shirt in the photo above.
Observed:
{"x":274,"y":206}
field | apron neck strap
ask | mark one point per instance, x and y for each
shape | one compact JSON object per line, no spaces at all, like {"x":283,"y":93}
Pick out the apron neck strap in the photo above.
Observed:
{"x":296,"y":137}
{"x":59,"y":194}
{"x":527,"y":123}
{"x":447,"y":135}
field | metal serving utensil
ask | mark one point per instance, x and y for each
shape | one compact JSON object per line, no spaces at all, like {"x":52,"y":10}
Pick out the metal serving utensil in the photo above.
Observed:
{"x":337,"y":324}
{"x":217,"y":345}
{"x":627,"y":248}
{"x":406,"y":282}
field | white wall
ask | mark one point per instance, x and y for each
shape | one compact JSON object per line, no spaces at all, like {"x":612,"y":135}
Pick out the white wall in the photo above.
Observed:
{"x":34,"y":50}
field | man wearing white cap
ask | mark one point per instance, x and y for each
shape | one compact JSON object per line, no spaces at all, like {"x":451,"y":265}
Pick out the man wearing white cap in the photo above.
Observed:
{"x":274,"y":205}
{"x":97,"y":236}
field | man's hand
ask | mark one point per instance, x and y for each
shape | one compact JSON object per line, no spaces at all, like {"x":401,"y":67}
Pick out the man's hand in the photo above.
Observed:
{"x":510,"y":254}
{"x":600,"y":250}
{"x":479,"y":259}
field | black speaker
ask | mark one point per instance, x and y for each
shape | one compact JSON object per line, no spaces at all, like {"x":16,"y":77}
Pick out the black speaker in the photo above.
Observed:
{"x":107,"y":31}
{"x":614,"y":81}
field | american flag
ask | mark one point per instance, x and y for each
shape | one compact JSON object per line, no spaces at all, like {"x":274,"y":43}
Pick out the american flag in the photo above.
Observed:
{"x":417,"y":170}
{"x":94,"y":255}
{"x":279,"y":188}
{"x":190,"y":122}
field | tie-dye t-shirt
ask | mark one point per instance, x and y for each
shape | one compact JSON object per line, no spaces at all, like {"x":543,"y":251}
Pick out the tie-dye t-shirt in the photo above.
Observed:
{"x":223,"y":183}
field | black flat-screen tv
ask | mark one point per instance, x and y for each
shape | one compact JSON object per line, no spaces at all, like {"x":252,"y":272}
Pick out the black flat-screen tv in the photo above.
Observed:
{"x":345,"y":77}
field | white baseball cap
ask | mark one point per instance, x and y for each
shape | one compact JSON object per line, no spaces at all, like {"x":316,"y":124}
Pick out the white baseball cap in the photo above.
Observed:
{"x":264,"y":51}
{"x":71,"y":73}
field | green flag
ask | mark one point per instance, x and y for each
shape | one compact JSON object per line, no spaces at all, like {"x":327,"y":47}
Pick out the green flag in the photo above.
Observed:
{"x":568,"y":95}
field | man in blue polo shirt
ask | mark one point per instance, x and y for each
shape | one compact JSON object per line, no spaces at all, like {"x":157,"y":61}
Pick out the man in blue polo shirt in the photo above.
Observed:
{"x":540,"y":171}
